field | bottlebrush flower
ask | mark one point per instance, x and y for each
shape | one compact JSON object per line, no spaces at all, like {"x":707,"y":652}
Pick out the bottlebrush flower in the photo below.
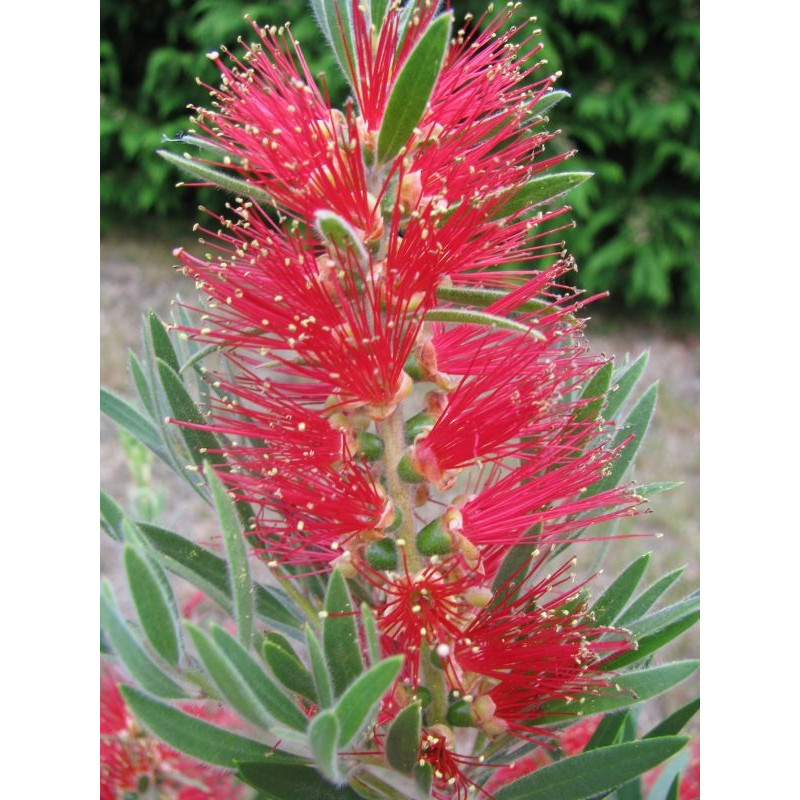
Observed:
{"x":523,"y":650}
{"x":131,"y":762}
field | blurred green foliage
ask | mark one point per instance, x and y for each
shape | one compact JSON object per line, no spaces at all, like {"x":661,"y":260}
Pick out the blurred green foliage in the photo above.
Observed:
{"x":632,"y":67}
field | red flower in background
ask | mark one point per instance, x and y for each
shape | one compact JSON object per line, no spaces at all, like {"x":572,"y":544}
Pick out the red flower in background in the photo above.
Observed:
{"x":132,"y":761}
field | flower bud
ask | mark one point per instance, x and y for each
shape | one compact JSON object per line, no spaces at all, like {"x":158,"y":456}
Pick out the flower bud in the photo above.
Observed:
{"x":418,"y":424}
{"x":410,"y":191}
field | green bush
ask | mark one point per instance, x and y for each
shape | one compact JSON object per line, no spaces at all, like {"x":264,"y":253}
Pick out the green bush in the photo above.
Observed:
{"x":631,"y":65}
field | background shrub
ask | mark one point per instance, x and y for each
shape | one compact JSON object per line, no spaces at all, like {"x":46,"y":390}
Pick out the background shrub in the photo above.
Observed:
{"x":632,"y":66}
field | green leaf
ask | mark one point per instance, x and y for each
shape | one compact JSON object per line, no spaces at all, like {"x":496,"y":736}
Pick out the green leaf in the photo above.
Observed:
{"x":647,"y":645}
{"x":201,"y":443}
{"x":339,"y":233}
{"x":642,"y":604}
{"x":413,"y":88}
{"x":548,"y":101}
{"x":675,"y":722}
{"x":197,"y":738}
{"x":141,"y":384}
{"x":539,"y":190}
{"x":154,"y":606}
{"x":402,"y":741}
{"x":423,"y":777}
{"x":658,"y":620}
{"x":355,"y":709}
{"x":378,"y":11}
{"x":649,"y":489}
{"x":323,"y":735}
{"x":637,"y":423}
{"x":594,"y":393}
{"x":126,"y":416}
{"x":111,"y":516}
{"x":371,"y":634}
{"x":282,"y":781}
{"x":231,"y":683}
{"x":223,"y":180}
{"x":289,"y":670}
{"x":338,"y":31}
{"x":209,"y":572}
{"x":131,"y":652}
{"x":274,"y":702}
{"x":589,"y":774}
{"x":625,"y":384}
{"x":669,"y":777}
{"x":339,"y":635}
{"x":613,"y":600}
{"x":238,"y":566}
{"x":482,"y":297}
{"x":469,"y":317}
{"x":162,"y":346}
{"x":608,"y":731}
{"x":634,"y":687}
{"x":319,"y":668}
{"x":512,"y":572}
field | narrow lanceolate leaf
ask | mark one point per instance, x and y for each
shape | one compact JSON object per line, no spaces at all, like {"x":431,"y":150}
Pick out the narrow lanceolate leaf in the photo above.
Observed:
{"x":413,"y":88}
{"x":111,"y":516}
{"x":338,"y":31}
{"x":594,"y":394}
{"x":323,"y":736}
{"x":130,"y":651}
{"x":209,"y":572}
{"x":378,"y":11}
{"x":669,"y":776}
{"x":548,"y":101}
{"x":207,"y":174}
{"x":197,"y":738}
{"x":645,"y":601}
{"x":278,"y":781}
{"x":649,"y":489}
{"x":289,"y":670}
{"x":540,"y":190}
{"x":154,"y":606}
{"x":636,"y":424}
{"x":236,"y":550}
{"x":273,"y":700}
{"x":356,"y":708}
{"x":339,"y":233}
{"x":609,"y":605}
{"x":159,"y":338}
{"x":625,"y":384}
{"x":322,"y":680}
{"x":201,"y":444}
{"x":658,"y":620}
{"x":230,"y":682}
{"x":141,"y":384}
{"x":126,"y":416}
{"x":371,"y":634}
{"x":402,"y":741}
{"x":675,"y":722}
{"x":470,"y":317}
{"x":647,"y":645}
{"x":608,"y":731}
{"x":339,"y":636}
{"x":589,"y":774}
{"x":511,"y":574}
{"x":482,"y":297}
{"x":629,"y":689}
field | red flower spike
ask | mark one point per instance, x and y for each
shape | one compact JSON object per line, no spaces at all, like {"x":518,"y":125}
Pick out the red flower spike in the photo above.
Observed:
{"x":131,"y":760}
{"x":525,"y":651}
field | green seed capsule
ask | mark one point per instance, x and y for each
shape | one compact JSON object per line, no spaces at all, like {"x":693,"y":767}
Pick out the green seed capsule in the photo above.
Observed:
{"x":370,"y":446}
{"x":406,"y":471}
{"x":434,"y":540}
{"x":417,"y":425}
{"x":382,"y":554}
{"x":459,"y":715}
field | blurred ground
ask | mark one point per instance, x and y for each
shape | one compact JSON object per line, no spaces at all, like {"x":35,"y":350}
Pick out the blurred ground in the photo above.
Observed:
{"x":136,"y":275}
